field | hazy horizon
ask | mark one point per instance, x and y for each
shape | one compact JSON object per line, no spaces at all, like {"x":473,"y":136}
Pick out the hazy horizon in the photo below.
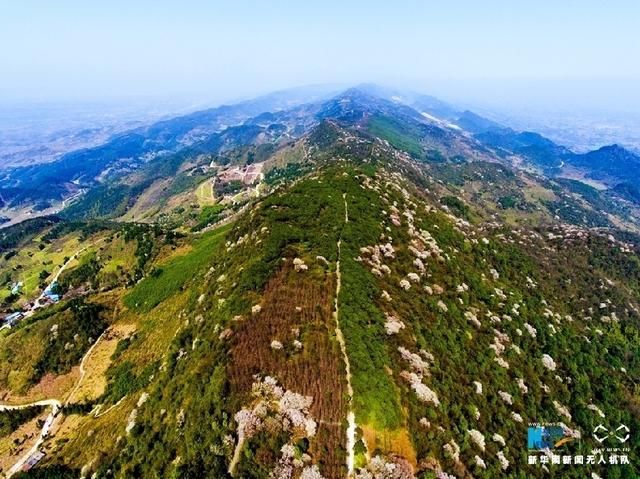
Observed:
{"x":539,"y":55}
{"x":243,"y":239}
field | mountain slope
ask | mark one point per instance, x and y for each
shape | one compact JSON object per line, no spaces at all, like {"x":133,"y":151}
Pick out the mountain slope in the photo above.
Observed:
{"x":458,"y":331}
{"x":360,"y":308}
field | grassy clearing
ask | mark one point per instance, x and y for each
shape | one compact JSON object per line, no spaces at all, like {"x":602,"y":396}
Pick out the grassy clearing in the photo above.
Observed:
{"x":396,"y":134}
{"x":535,"y":193}
{"x":171,"y":277}
{"x":94,"y":382}
{"x":204,"y":193}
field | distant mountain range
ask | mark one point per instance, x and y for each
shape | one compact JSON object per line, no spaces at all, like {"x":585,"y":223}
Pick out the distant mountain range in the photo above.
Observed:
{"x":422,"y":125}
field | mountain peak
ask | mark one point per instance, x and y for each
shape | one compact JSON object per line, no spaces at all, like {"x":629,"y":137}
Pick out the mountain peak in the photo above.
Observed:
{"x":614,"y":152}
{"x":614,"y":148}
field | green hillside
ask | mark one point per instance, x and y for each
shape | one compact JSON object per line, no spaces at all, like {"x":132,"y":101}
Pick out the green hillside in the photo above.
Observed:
{"x":362,"y":307}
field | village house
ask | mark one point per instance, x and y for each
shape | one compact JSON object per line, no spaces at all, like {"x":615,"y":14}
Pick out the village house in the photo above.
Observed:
{"x":13,"y":318}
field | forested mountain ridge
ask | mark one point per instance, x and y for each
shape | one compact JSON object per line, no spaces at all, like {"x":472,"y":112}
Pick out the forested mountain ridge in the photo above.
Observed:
{"x":379,"y":295}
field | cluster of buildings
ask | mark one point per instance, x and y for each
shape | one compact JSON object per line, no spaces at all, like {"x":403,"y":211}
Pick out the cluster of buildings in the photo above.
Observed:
{"x":13,"y":318}
{"x":47,"y":297}
{"x":247,"y":175}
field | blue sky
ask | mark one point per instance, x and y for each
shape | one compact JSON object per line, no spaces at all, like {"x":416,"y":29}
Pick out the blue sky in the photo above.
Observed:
{"x":216,"y":50}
